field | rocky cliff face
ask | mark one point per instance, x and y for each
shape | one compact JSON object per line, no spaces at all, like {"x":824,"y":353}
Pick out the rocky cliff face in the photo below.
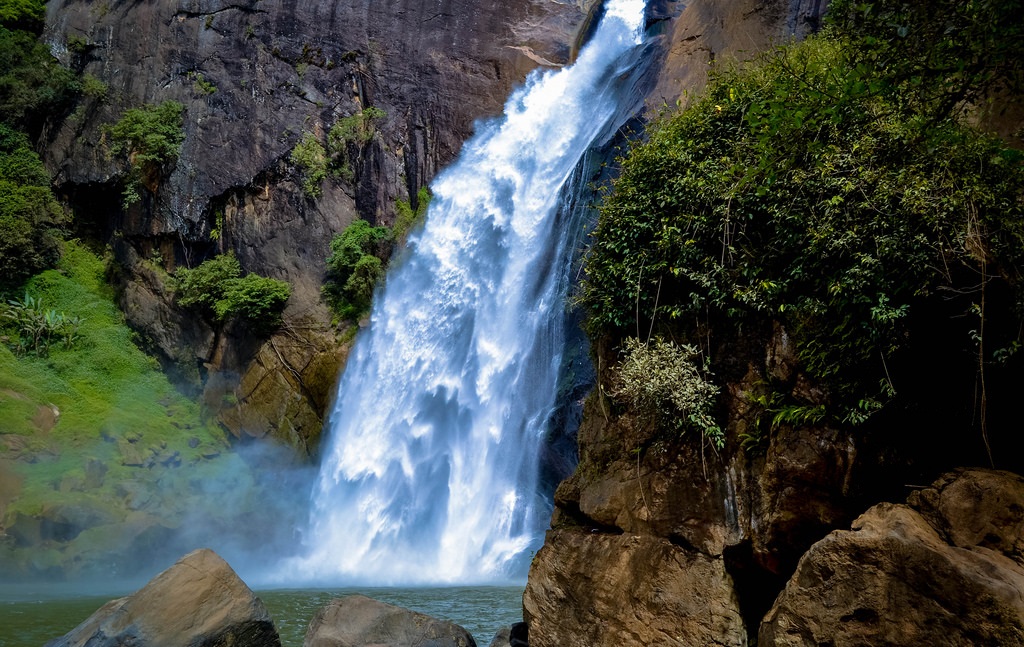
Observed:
{"x":254,"y":76}
{"x":797,"y":534}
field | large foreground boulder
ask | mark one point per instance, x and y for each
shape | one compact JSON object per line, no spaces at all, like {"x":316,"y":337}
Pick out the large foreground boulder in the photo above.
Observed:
{"x":198,"y":602}
{"x":358,"y":621}
{"x":648,"y":591}
{"x":947,"y":569}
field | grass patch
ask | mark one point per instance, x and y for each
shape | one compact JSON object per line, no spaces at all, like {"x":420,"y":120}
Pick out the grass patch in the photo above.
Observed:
{"x":125,"y":440}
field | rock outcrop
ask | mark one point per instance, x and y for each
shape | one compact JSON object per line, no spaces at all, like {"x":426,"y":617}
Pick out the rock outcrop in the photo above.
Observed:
{"x":662,"y":537}
{"x":358,"y":621}
{"x":947,"y":569}
{"x":254,"y":77}
{"x":199,"y":601}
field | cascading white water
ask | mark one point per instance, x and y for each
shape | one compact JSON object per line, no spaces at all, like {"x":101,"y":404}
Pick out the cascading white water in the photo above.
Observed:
{"x":429,"y":472}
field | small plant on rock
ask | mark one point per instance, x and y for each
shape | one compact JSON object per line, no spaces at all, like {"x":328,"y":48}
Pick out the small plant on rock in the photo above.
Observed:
{"x":218,"y":289}
{"x":311,"y":159}
{"x":150,"y":137}
{"x":354,"y":268}
{"x":663,"y":381}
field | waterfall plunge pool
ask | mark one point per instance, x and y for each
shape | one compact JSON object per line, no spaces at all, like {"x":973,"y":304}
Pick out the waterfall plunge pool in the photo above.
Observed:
{"x":30,"y":619}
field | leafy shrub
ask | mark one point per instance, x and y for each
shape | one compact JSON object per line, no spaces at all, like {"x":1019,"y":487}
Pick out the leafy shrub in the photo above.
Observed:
{"x":357,"y":128}
{"x":807,"y":189}
{"x":33,"y":85}
{"x":256,"y":298}
{"x":663,"y":381}
{"x":355,"y":131}
{"x":94,"y":87}
{"x":150,"y":137}
{"x":22,"y":14}
{"x":202,"y":286}
{"x":406,"y":217}
{"x":38,"y":327}
{"x":311,"y":158}
{"x":30,"y":217}
{"x":354,"y":268}
{"x":218,"y":288}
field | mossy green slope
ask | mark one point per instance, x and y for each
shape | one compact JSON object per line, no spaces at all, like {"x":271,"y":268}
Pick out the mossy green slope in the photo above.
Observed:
{"x":102,"y":443}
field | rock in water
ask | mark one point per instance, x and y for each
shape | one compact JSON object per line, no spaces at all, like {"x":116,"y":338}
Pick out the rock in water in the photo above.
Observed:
{"x":947,"y":569}
{"x":358,"y":621}
{"x":198,"y":602}
{"x":514,"y":635}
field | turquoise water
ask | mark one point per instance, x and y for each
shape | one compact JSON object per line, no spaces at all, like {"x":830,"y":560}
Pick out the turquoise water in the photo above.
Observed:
{"x":28,"y":622}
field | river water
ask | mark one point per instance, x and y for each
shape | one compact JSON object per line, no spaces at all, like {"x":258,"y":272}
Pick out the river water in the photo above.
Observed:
{"x":432,"y":460}
{"x":30,"y":620}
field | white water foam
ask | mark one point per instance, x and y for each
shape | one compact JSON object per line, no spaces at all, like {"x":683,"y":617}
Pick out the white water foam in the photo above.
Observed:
{"x":429,"y":470}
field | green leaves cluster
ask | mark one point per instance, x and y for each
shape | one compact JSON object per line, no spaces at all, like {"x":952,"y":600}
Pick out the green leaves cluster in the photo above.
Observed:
{"x":813,"y":189}
{"x":664,"y":381}
{"x":354,"y":268}
{"x":218,"y":288}
{"x":935,"y":57}
{"x":37,"y":327}
{"x":314,"y":160}
{"x":33,"y":85}
{"x":347,"y":137}
{"x":30,"y":217}
{"x":356,"y":129}
{"x":22,"y":14}
{"x":150,"y":137}
{"x":406,"y":216}
{"x":311,"y":159}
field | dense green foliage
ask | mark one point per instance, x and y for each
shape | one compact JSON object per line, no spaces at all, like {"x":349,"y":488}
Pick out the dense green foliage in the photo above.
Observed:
{"x":406,"y":217}
{"x":33,"y":85}
{"x":311,"y":159}
{"x":354,"y":268}
{"x":150,"y":137}
{"x":816,"y":188}
{"x":30,"y":218}
{"x":218,"y":288}
{"x":22,"y":14}
{"x":935,"y":57}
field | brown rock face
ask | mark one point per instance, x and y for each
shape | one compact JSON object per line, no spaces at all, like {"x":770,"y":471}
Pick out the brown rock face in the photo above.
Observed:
{"x":944,"y":570}
{"x":357,"y":621}
{"x":710,"y":30}
{"x":595,"y":588}
{"x":739,"y":520}
{"x":199,"y":602}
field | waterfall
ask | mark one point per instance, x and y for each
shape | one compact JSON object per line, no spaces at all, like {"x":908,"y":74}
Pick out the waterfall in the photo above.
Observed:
{"x":430,"y":467}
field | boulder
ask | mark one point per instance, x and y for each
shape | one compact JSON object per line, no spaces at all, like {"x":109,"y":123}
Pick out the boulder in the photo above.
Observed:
{"x":944,"y":570}
{"x":644,"y":591}
{"x":514,"y":635}
{"x":198,"y":602}
{"x":357,"y":621}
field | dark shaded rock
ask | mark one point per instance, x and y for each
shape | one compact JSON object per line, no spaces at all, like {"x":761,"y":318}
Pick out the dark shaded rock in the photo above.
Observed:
{"x":198,"y":602}
{"x":254,"y":76}
{"x":944,"y":570}
{"x":358,"y":621}
{"x":514,"y":635}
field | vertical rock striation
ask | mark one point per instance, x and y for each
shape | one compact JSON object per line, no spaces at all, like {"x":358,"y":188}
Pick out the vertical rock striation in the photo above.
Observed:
{"x":255,"y":76}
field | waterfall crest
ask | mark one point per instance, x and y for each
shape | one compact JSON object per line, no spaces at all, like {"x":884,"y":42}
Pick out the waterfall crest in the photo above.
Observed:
{"x":430,"y":466}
